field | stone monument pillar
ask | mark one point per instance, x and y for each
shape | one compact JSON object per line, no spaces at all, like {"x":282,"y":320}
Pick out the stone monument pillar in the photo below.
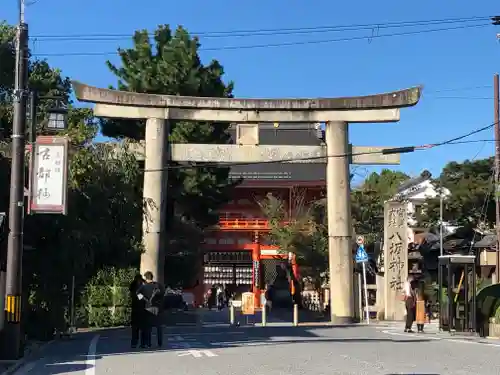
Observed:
{"x":395,"y":258}
{"x":380,"y":296}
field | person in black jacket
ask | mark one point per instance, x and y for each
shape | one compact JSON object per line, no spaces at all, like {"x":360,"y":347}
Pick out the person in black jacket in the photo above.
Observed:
{"x":137,"y":307}
{"x":152,"y":293}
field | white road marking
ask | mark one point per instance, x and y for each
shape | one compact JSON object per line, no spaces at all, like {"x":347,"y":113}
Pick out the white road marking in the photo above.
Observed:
{"x":197,"y":353}
{"x":387,"y":332}
{"x":239,"y":343}
{"x":180,"y":343}
{"x":209,"y":353}
{"x":460,"y":341}
{"x":194,"y":353}
{"x":179,"y":338}
{"x":90,"y":361}
{"x":474,"y":342}
{"x":207,"y":333}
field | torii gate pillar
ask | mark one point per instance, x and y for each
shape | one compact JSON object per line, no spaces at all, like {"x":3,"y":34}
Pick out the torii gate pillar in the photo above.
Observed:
{"x":336,"y":112}
{"x":339,"y":223}
{"x":155,"y":194}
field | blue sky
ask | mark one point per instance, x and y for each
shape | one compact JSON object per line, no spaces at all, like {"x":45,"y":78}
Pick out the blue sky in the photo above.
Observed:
{"x":443,"y":61}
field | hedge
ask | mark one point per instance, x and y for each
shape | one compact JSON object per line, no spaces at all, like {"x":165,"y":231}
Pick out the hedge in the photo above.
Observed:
{"x":105,"y":301}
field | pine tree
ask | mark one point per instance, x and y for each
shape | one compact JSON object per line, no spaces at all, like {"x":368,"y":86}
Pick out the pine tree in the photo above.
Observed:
{"x":168,"y":63}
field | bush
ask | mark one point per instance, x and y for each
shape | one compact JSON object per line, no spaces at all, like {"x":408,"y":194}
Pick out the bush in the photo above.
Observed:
{"x":106,"y":299}
{"x":497,"y":314}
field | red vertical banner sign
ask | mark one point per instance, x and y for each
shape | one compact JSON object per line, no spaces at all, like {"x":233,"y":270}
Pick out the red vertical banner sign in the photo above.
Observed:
{"x":49,"y":185}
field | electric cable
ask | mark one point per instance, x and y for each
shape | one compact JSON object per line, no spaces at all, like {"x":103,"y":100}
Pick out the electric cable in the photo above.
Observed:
{"x":271,"y":45}
{"x":271,"y":32}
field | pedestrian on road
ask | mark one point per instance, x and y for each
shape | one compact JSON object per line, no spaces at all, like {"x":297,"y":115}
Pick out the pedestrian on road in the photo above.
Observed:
{"x":269,"y":297}
{"x":152,"y":293}
{"x":137,"y":307}
{"x":212,"y":297}
{"x":410,"y":300}
{"x":420,"y":308}
{"x":220,"y":298}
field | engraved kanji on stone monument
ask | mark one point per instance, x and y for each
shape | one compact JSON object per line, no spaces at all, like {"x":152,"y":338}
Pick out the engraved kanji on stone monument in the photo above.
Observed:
{"x":395,"y":257}
{"x":397,"y":217}
{"x":396,"y":264}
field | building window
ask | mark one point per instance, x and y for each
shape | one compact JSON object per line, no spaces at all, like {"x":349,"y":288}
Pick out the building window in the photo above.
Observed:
{"x":418,"y":209}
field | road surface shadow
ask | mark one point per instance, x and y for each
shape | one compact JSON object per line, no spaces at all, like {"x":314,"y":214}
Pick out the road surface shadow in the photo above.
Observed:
{"x":112,"y":350}
{"x":69,"y":356}
{"x":206,"y":339}
{"x":64,"y":368}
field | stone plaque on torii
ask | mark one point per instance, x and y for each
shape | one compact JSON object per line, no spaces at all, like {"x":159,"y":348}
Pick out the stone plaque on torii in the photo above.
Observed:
{"x":157,"y":110}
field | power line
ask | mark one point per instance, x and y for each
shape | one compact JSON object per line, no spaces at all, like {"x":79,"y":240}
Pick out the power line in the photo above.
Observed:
{"x":271,"y":32}
{"x":387,"y":151}
{"x":281,"y":44}
{"x":459,"y":138}
{"x":462,"y":97}
{"x":466,"y":88}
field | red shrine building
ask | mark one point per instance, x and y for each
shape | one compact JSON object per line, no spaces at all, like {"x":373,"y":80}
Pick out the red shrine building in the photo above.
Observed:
{"x":237,"y":253}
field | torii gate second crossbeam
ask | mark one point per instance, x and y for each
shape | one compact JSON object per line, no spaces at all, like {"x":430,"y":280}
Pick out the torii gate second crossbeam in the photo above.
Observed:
{"x":157,"y":110}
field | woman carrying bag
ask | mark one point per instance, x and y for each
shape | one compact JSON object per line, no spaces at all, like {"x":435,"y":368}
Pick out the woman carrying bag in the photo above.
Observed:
{"x":410,"y":304}
{"x":420,"y":308}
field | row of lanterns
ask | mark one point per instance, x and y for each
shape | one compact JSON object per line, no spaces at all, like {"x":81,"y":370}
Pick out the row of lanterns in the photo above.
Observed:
{"x":227,"y":275}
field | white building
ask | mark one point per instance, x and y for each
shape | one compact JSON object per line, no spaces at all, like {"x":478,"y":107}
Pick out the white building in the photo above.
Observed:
{"x":415,"y":191}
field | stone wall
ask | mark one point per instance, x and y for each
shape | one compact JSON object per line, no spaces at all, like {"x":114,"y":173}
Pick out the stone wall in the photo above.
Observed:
{"x":395,"y":258}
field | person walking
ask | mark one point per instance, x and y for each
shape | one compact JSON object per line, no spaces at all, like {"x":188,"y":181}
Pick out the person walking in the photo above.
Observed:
{"x":409,"y":298}
{"x":220,"y":298}
{"x":137,"y":307}
{"x":152,"y":293}
{"x":420,"y":316}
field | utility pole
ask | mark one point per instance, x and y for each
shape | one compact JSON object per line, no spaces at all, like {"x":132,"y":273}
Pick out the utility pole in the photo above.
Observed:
{"x":12,"y":349}
{"x":497,"y":172}
{"x":441,"y":252}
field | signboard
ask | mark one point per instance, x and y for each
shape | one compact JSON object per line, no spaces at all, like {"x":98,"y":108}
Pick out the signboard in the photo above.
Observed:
{"x":256,"y":273}
{"x":361,"y":255}
{"x":49,"y":177}
{"x":228,"y":257}
{"x":247,"y":305}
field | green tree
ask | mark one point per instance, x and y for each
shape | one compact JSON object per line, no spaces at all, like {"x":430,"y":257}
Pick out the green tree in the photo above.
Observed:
{"x":305,"y":234}
{"x":367,"y":202}
{"x":42,"y":78}
{"x":470,"y":202}
{"x":172,"y":65}
{"x":103,"y":225}
{"x":102,"y":229}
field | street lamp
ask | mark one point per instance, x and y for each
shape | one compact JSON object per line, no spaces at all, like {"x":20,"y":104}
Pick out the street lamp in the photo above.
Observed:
{"x":57,"y":114}
{"x":57,"y":119}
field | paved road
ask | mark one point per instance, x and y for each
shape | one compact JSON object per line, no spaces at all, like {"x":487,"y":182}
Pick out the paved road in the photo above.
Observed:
{"x":211,"y":348}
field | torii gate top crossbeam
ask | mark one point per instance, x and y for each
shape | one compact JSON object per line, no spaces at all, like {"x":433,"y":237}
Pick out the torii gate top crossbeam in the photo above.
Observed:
{"x":396,"y":99}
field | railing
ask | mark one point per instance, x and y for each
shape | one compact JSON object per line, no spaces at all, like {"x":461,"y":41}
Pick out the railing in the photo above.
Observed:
{"x":243,"y":224}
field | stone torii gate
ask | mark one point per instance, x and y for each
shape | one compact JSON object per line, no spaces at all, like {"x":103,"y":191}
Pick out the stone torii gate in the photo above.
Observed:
{"x":158,"y":110}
